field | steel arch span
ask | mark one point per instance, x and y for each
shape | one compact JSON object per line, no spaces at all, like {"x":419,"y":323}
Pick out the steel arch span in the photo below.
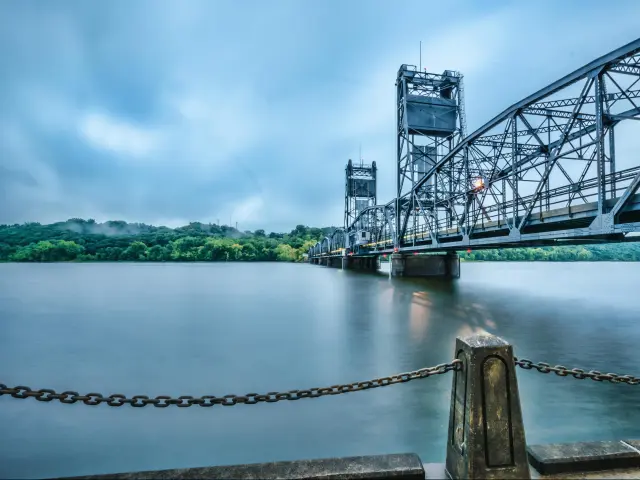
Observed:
{"x":560,"y":166}
{"x":542,"y":171}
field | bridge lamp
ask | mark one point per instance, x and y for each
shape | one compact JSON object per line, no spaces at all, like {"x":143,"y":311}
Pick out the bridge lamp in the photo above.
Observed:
{"x":478,"y":183}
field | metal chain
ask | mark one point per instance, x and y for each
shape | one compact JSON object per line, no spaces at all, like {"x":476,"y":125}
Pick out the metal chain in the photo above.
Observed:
{"x":162,"y":401}
{"x":117,"y":400}
{"x":578,"y":373}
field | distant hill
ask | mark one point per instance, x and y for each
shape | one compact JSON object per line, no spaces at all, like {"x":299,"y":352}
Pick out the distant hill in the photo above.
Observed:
{"x":87,"y":240}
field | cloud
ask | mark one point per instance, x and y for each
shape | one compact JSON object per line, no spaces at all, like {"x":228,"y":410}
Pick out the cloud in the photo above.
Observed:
{"x":117,"y":135}
{"x":248,"y":210}
{"x":170,"y":112}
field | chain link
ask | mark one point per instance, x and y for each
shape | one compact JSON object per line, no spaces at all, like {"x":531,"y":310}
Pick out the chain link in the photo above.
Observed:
{"x":578,"y":373}
{"x":162,"y":401}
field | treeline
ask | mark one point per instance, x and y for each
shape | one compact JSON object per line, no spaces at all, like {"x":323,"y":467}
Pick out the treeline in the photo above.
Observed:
{"x":627,"y":252}
{"x":86,"y":240}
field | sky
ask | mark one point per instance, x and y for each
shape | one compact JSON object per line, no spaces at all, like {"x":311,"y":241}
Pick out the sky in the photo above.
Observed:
{"x":167,"y":112}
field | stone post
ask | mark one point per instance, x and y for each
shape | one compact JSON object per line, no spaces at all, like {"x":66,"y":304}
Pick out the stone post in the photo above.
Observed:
{"x":486,"y":434}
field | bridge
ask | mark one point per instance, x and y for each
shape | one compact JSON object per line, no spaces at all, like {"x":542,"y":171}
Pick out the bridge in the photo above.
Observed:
{"x":556,"y":168}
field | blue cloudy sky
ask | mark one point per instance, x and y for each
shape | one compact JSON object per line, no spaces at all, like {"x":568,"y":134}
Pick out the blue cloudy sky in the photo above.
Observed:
{"x":166,"y":112}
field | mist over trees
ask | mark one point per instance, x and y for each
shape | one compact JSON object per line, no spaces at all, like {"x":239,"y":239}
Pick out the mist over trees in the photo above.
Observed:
{"x":85,"y":240}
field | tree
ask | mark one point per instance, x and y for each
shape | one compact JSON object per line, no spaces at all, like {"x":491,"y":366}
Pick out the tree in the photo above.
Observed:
{"x":48,"y":251}
{"x":137,"y":251}
{"x":286,"y":253}
{"x":158,"y":253}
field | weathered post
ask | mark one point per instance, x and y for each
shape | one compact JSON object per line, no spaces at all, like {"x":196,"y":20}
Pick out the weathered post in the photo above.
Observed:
{"x":486,"y":435}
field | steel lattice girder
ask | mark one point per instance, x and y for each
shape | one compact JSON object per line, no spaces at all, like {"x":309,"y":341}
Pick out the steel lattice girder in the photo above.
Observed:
{"x":563,"y":159}
{"x":542,"y":171}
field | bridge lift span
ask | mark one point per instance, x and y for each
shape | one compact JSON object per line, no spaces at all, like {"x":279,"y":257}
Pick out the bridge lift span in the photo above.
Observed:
{"x":559,"y":167}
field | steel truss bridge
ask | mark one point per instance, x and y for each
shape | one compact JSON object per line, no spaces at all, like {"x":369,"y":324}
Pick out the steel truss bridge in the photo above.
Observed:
{"x":559,"y":167}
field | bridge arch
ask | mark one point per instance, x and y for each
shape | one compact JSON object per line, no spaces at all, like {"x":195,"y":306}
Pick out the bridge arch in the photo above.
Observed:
{"x":377,"y":222}
{"x":544,"y":168}
{"x":337,"y":240}
{"x":324,"y":245}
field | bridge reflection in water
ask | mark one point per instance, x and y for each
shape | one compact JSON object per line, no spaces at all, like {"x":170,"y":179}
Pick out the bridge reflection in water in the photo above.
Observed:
{"x":545,"y":171}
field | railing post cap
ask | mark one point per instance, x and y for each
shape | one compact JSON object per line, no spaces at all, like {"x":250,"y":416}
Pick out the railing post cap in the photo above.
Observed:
{"x":479,"y":340}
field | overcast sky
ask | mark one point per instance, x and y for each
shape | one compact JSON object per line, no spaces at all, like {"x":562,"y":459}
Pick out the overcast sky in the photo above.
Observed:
{"x":166,"y":112}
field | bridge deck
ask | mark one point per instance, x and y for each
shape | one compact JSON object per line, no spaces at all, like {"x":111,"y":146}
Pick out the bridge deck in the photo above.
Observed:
{"x":566,"y":225}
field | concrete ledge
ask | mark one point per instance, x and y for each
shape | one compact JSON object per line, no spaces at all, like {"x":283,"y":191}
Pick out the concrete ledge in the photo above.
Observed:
{"x":398,"y":466}
{"x":436,"y":471}
{"x":584,"y":457}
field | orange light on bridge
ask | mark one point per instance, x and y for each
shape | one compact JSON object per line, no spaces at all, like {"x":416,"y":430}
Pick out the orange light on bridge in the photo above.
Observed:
{"x":478,"y":184}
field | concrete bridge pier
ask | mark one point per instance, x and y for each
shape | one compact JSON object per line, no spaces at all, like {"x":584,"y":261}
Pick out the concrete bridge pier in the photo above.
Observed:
{"x":335,"y":262}
{"x":365,"y":264}
{"x":443,"y":265}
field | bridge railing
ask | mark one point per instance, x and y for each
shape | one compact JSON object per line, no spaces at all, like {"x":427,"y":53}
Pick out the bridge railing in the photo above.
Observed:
{"x":485,"y":439}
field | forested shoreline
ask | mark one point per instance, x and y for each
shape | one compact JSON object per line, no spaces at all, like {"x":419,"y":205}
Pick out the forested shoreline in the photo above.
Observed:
{"x":86,"y":240}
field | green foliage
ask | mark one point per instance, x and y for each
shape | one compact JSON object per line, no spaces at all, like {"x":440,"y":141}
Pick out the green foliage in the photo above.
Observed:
{"x":48,"y":251}
{"x":85,"y":240}
{"x":286,"y":253}
{"x":629,"y":252}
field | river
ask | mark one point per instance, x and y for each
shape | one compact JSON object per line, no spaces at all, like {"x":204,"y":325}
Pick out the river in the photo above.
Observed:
{"x":196,"y":329}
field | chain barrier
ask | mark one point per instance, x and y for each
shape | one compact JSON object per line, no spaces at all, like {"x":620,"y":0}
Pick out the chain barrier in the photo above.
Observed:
{"x":578,"y":373}
{"x":162,"y":401}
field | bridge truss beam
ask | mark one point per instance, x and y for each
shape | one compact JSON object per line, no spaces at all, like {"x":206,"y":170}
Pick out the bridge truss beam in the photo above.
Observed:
{"x":549,"y":168}
{"x":534,"y":167}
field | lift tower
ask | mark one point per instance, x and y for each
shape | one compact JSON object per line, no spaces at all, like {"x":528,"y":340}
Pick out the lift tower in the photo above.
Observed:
{"x":360,"y":190}
{"x":430,"y":122}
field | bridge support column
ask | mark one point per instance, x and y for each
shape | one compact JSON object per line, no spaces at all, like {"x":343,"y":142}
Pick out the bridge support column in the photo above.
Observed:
{"x":365,"y":264}
{"x":445,"y":265}
{"x":335,"y":262}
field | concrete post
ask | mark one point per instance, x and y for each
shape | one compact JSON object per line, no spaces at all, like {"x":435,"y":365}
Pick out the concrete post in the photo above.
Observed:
{"x":452,"y":262}
{"x":397,"y":265}
{"x":486,"y":434}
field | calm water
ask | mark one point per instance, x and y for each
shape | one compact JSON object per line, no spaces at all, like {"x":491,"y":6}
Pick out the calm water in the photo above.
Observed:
{"x":180,"y":329}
